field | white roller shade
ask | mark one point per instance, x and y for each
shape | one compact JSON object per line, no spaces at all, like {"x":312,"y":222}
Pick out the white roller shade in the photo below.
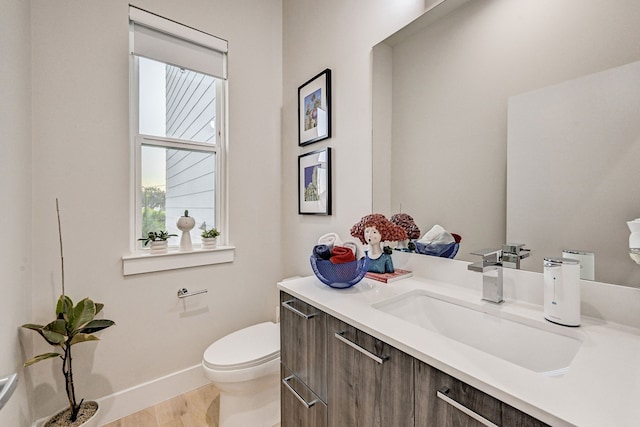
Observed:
{"x":158,"y":38}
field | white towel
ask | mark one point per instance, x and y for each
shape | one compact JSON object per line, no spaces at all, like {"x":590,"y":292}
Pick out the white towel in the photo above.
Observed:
{"x":330,"y":239}
{"x":437,"y":234}
{"x":355,"y":248}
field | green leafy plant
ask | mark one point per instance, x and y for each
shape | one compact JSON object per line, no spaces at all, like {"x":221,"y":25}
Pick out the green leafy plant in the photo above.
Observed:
{"x":212,"y":232}
{"x":73,"y":325}
{"x":152,"y":236}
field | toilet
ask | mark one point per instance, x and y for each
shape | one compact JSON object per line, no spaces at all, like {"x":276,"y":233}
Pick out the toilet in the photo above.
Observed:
{"x":245,"y":367}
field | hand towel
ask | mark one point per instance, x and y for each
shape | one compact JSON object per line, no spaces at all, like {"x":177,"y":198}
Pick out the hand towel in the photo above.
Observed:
{"x":322,"y":251}
{"x":355,"y":248}
{"x":437,"y":234}
{"x":330,"y":239}
{"x":341,"y":255}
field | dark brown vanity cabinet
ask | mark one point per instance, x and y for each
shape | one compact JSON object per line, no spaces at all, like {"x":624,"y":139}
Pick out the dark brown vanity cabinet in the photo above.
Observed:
{"x":444,"y":401}
{"x":370,"y":382}
{"x":338,"y":376}
{"x":303,"y":358}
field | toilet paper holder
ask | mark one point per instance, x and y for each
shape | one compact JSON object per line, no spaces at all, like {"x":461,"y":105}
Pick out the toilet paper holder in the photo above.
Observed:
{"x":184,"y":292}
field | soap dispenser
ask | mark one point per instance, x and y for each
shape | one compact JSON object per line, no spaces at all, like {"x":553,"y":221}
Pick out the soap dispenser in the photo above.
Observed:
{"x":562,"y":291}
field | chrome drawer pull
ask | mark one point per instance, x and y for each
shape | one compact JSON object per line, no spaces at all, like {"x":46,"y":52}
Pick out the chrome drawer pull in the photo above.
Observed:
{"x":379,"y":359}
{"x":286,"y":304}
{"x":442,"y":394}
{"x":308,"y":405}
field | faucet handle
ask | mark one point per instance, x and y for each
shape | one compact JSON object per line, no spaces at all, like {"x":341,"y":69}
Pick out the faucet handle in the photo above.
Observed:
{"x":488,"y":254}
{"x":515,"y":249}
{"x":512,"y":253}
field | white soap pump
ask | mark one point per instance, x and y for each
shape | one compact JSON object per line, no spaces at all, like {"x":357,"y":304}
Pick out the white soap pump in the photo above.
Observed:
{"x":562,"y":291}
{"x":634,"y":240}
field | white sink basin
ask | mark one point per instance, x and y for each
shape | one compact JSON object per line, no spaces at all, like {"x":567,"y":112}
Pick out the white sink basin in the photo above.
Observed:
{"x":539,"y":347}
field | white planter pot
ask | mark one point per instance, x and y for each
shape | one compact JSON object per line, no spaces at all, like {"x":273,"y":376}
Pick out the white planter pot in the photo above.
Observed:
{"x":90,"y":422}
{"x":209,"y":242}
{"x":159,"y":247}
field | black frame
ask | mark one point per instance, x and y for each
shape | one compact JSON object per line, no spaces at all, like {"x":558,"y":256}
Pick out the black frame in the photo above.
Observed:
{"x":323,"y":205}
{"x":318,"y":82}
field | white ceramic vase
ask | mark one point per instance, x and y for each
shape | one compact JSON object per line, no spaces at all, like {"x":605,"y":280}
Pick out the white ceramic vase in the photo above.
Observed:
{"x":159,"y":247}
{"x":185,"y":224}
{"x":209,"y":242}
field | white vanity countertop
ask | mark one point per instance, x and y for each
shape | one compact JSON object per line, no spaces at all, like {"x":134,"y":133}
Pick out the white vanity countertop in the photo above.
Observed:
{"x":601,"y":387}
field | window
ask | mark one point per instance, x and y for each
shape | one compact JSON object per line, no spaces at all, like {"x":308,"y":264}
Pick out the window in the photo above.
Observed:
{"x":178,"y":85}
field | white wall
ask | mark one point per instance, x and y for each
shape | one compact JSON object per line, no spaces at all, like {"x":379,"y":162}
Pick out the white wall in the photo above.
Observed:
{"x":81,"y":155}
{"x":339,"y":35}
{"x":15,"y":201}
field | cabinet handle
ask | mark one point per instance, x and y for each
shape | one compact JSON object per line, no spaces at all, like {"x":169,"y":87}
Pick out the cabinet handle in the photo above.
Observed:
{"x":380,"y":359}
{"x":308,"y":405}
{"x":287,"y":305}
{"x":442,"y":394}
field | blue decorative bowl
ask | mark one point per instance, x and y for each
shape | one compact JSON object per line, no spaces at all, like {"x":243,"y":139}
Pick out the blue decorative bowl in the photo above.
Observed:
{"x":339,"y":275}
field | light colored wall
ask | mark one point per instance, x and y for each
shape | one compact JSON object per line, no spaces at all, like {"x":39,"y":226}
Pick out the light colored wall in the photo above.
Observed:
{"x":81,"y":155}
{"x":15,"y":200}
{"x":339,"y":35}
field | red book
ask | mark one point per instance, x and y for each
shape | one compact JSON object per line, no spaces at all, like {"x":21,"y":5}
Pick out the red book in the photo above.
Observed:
{"x":389,"y":277}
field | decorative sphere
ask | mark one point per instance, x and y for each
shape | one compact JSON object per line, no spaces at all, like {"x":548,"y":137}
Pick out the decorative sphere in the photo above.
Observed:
{"x":185,"y":223}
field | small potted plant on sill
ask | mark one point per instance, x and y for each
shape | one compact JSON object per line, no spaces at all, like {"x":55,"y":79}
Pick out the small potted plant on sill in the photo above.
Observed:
{"x":73,"y":324}
{"x":157,"y":240}
{"x":209,"y":238}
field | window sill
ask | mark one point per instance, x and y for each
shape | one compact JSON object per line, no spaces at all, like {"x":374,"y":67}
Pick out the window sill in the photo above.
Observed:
{"x":146,"y":263}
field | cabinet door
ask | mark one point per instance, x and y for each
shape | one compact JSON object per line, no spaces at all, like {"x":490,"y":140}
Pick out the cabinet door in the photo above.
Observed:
{"x":303,"y":342}
{"x":444,"y":401}
{"x":370,"y":382}
{"x":300,"y":406}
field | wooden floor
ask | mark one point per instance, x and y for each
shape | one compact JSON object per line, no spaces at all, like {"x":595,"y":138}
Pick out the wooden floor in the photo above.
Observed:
{"x":193,"y":409}
{"x":198,"y":408}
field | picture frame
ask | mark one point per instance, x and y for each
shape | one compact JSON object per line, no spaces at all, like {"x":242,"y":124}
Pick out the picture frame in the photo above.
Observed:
{"x":314,"y":183}
{"x":314,"y":109}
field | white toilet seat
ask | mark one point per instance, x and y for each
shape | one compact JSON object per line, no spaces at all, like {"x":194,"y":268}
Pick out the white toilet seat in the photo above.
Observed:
{"x":245,"y":367}
{"x":244,"y":355}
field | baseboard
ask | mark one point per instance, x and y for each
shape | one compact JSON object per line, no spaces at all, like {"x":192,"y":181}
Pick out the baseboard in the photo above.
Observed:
{"x":141,"y":396}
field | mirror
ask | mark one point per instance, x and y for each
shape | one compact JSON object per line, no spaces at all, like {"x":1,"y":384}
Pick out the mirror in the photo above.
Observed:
{"x":441,"y":91}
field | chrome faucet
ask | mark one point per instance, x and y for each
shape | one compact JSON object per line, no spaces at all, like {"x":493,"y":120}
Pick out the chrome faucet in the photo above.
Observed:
{"x":512,"y":253}
{"x":493,"y":260}
{"x":491,"y":269}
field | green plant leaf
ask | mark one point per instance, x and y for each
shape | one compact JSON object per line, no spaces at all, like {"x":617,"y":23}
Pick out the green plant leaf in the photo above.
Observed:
{"x":96,"y":325}
{"x":64,"y":307}
{"x":99,"y":307}
{"x":33,"y":326}
{"x":55,"y":332}
{"x":41,"y":357}
{"x":78,"y":338}
{"x":82,"y":313}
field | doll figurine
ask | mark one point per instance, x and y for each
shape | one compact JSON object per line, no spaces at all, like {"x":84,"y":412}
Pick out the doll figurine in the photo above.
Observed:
{"x":372,"y":230}
{"x":413,"y":232}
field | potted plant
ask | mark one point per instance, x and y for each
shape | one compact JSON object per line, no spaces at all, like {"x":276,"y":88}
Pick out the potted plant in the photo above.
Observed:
{"x":157,"y":241}
{"x":209,"y":238}
{"x":73,"y":324}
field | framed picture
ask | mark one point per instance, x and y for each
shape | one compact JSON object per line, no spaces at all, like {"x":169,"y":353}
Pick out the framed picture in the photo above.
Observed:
{"x":314,"y":183}
{"x":314,"y":109}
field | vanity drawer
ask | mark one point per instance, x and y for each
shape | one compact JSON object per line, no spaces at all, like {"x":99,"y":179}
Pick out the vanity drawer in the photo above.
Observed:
{"x":370,"y":382}
{"x":303,"y":343}
{"x":301,"y":407}
{"x":444,"y":401}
